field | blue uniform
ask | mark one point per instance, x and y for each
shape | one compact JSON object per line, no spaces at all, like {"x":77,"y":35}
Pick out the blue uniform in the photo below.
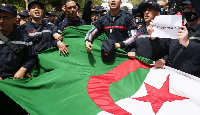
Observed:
{"x":10,"y":63}
{"x":119,"y":28}
{"x":151,"y":49}
{"x":67,"y":22}
{"x":187,"y":59}
{"x":41,"y":35}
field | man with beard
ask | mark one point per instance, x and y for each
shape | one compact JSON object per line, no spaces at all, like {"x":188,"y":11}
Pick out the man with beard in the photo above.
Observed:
{"x":118,"y":25}
{"x":71,"y":18}
{"x":17,"y":57}
{"x":41,"y":33}
{"x":184,"y":52}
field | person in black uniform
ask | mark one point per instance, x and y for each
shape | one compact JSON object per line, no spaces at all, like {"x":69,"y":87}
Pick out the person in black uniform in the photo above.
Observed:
{"x":184,"y":51}
{"x":41,"y":33}
{"x":118,"y":25}
{"x":143,"y":45}
{"x":71,"y":18}
{"x":51,"y":17}
{"x":17,"y":57}
{"x":24,"y":17}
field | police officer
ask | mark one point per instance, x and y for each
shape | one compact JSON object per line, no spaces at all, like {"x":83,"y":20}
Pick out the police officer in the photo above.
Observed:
{"x":41,"y":33}
{"x":24,"y":17}
{"x":16,"y":55}
{"x":71,"y":19}
{"x":96,"y":12}
{"x":118,"y":25}
{"x":143,"y":45}
{"x":51,"y":17}
{"x":184,"y":51}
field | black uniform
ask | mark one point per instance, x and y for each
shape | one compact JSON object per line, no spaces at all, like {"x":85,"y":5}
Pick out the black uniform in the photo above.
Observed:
{"x":67,"y":22}
{"x":41,"y":35}
{"x":120,"y":28}
{"x":10,"y":62}
{"x":151,"y":49}
{"x":187,"y":59}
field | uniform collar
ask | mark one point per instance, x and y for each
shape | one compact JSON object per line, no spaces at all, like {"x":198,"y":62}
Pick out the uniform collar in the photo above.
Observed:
{"x":37,"y":25}
{"x":110,"y":17}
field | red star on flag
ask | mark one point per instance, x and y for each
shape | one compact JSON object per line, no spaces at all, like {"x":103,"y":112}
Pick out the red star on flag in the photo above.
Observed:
{"x":159,"y":96}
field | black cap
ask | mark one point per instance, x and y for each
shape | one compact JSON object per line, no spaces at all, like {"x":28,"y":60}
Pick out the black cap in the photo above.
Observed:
{"x":9,"y":8}
{"x":51,"y":13}
{"x":154,"y":3}
{"x":24,"y":13}
{"x":98,"y":8}
{"x":35,"y":2}
{"x":136,"y":12}
{"x":108,"y":50}
{"x":125,"y":8}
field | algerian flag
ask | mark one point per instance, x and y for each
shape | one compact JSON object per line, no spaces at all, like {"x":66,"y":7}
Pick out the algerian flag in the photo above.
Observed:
{"x":164,"y":92}
{"x":81,"y":84}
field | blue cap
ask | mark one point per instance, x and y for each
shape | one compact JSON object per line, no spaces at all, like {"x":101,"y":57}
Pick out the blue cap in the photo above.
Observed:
{"x":9,"y":8}
{"x":51,"y":13}
{"x":24,"y":13}
{"x":108,"y":50}
{"x":98,"y":8}
{"x":150,"y":2}
{"x":35,"y":2}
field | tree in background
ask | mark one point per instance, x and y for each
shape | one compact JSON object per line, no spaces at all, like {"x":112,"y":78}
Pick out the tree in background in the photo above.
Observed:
{"x":48,"y":4}
{"x":135,"y":2}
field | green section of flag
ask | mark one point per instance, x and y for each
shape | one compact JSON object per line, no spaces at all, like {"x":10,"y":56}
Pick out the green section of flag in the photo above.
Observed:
{"x":61,"y":87}
{"x":128,"y":85}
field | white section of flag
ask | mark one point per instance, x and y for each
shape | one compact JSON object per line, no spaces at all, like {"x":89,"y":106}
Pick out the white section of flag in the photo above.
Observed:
{"x":180,"y":84}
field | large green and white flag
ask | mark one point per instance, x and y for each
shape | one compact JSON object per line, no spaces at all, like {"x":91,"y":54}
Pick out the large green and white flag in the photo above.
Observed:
{"x":81,"y":84}
{"x":164,"y":92}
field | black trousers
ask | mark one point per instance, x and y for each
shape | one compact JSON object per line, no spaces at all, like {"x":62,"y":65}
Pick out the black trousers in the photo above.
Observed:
{"x":9,"y":107}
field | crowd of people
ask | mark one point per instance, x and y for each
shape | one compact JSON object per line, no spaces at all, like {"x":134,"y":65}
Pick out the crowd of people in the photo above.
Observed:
{"x":23,"y":34}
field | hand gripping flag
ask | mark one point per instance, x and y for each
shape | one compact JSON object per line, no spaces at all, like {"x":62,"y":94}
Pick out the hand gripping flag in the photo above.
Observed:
{"x":81,"y":84}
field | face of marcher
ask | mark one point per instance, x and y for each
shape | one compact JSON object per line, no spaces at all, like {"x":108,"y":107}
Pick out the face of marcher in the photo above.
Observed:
{"x":150,"y":13}
{"x":71,"y":9}
{"x":163,"y":4}
{"x":18,"y":19}
{"x":94,"y":17}
{"x":189,"y":8}
{"x":7,"y":21}
{"x":52,"y":18}
{"x":35,"y":11}
{"x":114,"y":4}
{"x":23,"y":20}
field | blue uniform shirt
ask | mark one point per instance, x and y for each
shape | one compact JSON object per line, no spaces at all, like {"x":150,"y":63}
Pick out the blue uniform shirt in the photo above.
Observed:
{"x":151,"y":49}
{"x":117,"y":27}
{"x":41,"y":35}
{"x":67,"y":22}
{"x":10,"y":63}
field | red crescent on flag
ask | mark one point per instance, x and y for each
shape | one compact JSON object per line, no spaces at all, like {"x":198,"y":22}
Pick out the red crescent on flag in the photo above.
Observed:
{"x":98,"y":86}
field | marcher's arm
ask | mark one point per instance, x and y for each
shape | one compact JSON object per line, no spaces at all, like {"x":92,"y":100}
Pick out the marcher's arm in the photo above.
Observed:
{"x":92,"y":33}
{"x":87,"y":12}
{"x":60,"y":17}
